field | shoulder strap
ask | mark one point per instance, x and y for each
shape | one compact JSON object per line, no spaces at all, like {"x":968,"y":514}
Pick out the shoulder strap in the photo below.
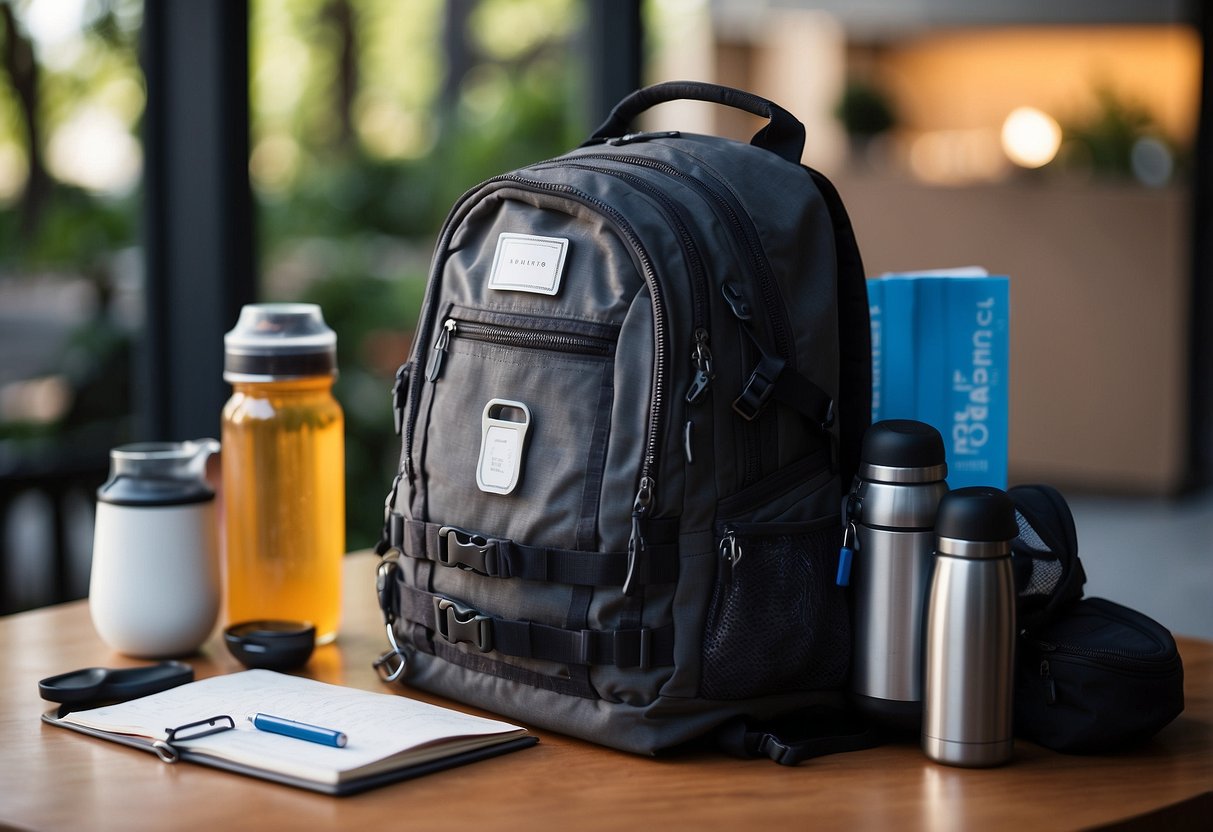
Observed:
{"x":854,"y":336}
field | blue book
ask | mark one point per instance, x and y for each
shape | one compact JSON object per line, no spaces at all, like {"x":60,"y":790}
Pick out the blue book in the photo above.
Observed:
{"x":941,"y":356}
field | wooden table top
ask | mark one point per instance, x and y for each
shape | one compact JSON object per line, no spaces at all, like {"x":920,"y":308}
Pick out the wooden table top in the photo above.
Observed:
{"x":51,"y":778}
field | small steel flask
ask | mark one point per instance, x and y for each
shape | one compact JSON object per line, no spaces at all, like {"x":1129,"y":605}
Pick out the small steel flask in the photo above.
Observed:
{"x":970,"y":632}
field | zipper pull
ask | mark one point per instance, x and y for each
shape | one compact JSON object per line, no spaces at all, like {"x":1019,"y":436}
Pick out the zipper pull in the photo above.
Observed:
{"x":637,"y":548}
{"x":440,"y":347}
{"x":629,"y":138}
{"x":730,"y":552}
{"x":398,"y":393}
{"x":738,"y":305}
{"x":1050,"y":685}
{"x":850,"y":545}
{"x":705,"y":369}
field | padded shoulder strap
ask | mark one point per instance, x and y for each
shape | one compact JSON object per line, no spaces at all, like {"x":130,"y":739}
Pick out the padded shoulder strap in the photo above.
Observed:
{"x":854,"y":336}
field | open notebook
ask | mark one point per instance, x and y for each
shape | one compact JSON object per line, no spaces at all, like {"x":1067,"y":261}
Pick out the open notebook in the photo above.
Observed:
{"x":389,"y":737}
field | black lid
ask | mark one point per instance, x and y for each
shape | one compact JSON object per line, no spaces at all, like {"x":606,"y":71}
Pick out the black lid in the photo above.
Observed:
{"x":902,"y":450}
{"x":979,"y":513}
{"x":153,"y":491}
{"x":273,"y":341}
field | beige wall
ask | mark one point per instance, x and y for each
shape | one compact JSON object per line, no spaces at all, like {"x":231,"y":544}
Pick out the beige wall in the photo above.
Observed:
{"x":1099,"y":319}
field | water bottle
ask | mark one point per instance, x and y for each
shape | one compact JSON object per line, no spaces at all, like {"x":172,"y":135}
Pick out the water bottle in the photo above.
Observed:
{"x":890,"y":527}
{"x":283,"y":468}
{"x":970,"y":639}
{"x":154,"y":584}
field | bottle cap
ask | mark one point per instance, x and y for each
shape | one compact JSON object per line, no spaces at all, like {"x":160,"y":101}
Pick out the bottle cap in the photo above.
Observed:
{"x":976,"y":522}
{"x":274,"y":341}
{"x":902,"y":451}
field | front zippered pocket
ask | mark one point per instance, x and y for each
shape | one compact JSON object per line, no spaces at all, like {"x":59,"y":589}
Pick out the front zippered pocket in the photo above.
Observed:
{"x":539,"y":336}
{"x":556,"y":378}
{"x":643,"y":504}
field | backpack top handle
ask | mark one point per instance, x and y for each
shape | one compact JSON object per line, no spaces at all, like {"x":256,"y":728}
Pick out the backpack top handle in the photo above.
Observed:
{"x":783,"y":136}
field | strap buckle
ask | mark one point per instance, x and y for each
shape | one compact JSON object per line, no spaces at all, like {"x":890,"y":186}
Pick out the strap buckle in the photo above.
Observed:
{"x":470,"y":551}
{"x":759,"y":388}
{"x":457,"y":623}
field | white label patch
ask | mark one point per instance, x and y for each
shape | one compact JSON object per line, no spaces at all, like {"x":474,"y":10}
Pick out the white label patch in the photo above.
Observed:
{"x":526,"y":263}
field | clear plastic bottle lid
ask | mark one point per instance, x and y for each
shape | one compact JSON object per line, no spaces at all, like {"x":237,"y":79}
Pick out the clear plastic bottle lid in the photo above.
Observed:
{"x":278,"y":341}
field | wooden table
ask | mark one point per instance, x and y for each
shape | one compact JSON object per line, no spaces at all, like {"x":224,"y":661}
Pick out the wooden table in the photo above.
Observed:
{"x":55,"y":779}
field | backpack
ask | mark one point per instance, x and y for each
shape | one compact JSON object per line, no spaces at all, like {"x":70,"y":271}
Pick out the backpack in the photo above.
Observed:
{"x":636,"y":392}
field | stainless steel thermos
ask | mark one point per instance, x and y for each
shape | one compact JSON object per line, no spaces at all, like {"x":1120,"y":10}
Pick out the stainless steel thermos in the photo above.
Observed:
{"x":891,"y":519}
{"x":970,"y":636}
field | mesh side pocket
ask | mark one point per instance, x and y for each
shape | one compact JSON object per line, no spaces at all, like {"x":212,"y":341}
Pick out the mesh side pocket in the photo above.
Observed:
{"x":778,"y":623}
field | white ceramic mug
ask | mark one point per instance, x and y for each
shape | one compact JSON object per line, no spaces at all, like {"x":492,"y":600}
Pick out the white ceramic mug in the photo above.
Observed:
{"x":154,"y":590}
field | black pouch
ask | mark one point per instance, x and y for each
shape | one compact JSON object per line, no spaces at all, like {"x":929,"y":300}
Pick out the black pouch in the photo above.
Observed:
{"x":1099,"y":678}
{"x":1091,"y":675}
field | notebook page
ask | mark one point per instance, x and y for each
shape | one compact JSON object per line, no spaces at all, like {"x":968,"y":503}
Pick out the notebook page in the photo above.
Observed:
{"x":378,"y":726}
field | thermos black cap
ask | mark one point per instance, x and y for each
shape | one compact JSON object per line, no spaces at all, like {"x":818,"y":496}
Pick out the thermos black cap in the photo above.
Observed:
{"x":979,"y":514}
{"x":895,"y":447}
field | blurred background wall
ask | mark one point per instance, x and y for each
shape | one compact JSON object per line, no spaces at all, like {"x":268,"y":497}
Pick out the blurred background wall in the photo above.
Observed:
{"x":161,"y":164}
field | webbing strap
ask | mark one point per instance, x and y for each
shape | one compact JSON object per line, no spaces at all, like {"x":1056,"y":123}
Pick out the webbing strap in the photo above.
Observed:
{"x":454,"y":622}
{"x":772,"y":378}
{"x":499,"y":558}
{"x":814,"y":731}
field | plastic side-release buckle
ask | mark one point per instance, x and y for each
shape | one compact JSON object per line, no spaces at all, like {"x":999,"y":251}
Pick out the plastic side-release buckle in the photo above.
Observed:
{"x":457,"y":623}
{"x":778,"y":750}
{"x":470,"y":552}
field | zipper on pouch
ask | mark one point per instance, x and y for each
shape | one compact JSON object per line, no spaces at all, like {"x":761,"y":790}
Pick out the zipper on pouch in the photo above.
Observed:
{"x":1112,"y":658}
{"x":511,"y":336}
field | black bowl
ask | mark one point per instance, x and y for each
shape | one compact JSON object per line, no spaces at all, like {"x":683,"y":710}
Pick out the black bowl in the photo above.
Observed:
{"x":273,"y":645}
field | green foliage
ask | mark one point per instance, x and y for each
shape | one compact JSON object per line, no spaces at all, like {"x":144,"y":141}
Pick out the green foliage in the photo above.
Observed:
{"x":364,"y":312}
{"x":364,"y":149}
{"x":1104,"y":141}
{"x":77,"y":230}
{"x":865,"y":110}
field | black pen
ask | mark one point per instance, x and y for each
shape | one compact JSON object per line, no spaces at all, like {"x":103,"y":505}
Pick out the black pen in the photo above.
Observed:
{"x":298,"y":730}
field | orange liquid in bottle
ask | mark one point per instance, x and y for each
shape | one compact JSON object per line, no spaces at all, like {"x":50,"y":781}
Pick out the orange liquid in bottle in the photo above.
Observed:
{"x":284,"y":502}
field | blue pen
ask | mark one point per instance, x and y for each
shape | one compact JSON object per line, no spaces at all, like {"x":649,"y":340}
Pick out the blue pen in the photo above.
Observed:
{"x":298,"y":730}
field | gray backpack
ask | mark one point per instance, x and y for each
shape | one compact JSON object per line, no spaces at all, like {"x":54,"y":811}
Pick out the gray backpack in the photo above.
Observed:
{"x":636,"y":393}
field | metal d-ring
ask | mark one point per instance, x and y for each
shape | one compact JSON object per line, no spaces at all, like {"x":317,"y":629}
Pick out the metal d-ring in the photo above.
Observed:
{"x":382,"y":664}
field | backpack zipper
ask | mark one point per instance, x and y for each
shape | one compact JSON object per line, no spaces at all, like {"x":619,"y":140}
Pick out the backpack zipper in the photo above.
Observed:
{"x":744,"y":231}
{"x":701,"y":353}
{"x":513,"y":336}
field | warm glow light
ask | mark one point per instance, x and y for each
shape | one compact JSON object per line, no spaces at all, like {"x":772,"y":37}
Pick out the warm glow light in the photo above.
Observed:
{"x":1030,"y":137}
